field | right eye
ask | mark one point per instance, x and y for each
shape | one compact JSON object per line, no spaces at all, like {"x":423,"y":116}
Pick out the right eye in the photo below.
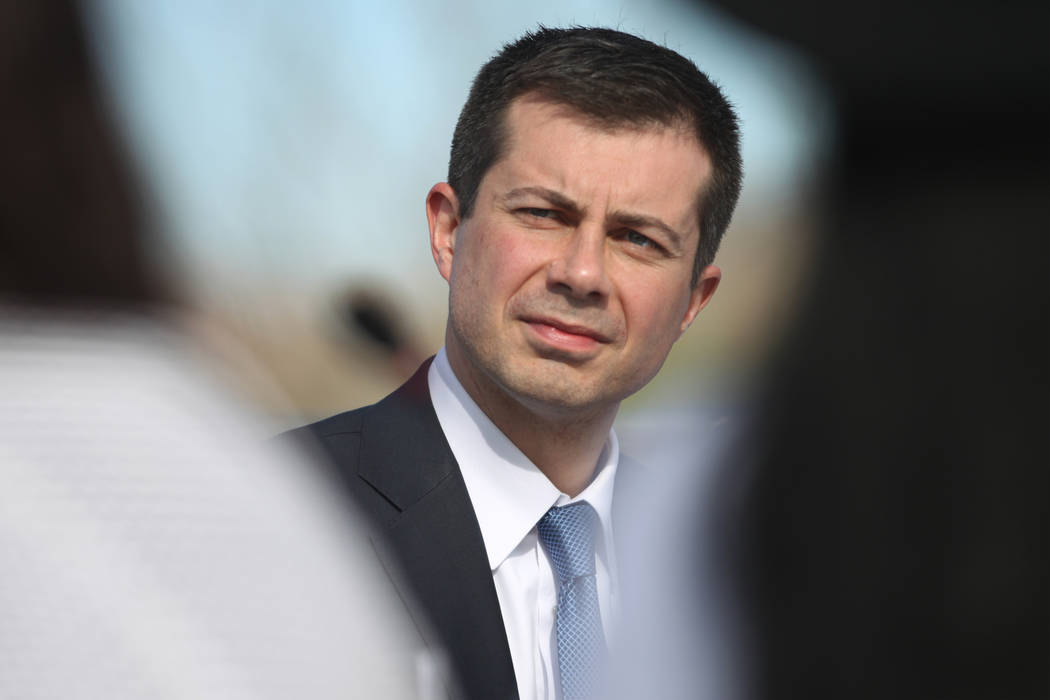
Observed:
{"x":540,"y":213}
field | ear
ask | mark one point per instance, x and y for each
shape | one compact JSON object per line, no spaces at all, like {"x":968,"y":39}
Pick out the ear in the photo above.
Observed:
{"x":443,"y":219}
{"x":701,"y":293}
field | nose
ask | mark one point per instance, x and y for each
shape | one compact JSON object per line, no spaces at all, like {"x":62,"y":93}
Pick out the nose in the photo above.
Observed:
{"x":579,"y":268}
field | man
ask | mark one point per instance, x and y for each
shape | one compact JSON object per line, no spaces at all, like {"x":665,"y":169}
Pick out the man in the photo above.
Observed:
{"x":591,"y":177}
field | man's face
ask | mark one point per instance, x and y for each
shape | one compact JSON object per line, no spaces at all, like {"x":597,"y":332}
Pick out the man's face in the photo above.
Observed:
{"x":570,"y":281}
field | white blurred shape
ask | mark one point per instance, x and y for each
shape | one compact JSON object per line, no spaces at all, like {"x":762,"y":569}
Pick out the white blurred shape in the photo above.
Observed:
{"x":154,"y":544}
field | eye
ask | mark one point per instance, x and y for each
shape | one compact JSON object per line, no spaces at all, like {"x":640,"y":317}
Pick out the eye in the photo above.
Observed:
{"x":540,"y":213}
{"x":635,"y":238}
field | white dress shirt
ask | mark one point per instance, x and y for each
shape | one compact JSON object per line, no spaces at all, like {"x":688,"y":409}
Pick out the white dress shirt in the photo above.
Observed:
{"x":510,"y":495}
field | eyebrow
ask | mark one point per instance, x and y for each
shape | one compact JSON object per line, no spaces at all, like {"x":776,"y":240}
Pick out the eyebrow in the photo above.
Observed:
{"x":554,"y":197}
{"x":629,"y":219}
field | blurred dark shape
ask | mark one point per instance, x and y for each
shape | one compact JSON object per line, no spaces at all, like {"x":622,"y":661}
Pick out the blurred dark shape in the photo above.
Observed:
{"x":922,"y":85}
{"x":367,"y":314}
{"x":71,"y":225}
{"x":896,"y":536}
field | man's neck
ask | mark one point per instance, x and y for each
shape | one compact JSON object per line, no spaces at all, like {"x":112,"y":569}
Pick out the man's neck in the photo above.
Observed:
{"x":565,"y":446}
{"x":565,"y":450}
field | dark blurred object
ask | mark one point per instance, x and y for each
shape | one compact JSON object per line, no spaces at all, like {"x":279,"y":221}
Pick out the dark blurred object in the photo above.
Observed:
{"x":368,"y":315}
{"x":371,"y":318}
{"x":896,"y":539}
{"x":925,"y":84}
{"x":71,"y":228}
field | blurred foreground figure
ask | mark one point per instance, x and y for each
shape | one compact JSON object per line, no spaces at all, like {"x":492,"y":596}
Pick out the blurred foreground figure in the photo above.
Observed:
{"x":898,"y":525}
{"x":150,"y":546}
{"x":879,"y":526}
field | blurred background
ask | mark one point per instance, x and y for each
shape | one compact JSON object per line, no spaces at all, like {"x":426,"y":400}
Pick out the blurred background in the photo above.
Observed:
{"x":289,"y":148}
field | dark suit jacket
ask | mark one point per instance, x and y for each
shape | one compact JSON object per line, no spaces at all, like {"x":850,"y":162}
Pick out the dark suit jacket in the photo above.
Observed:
{"x":398,"y":467}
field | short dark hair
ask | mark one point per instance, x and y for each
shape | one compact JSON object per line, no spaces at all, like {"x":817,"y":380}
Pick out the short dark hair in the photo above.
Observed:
{"x":616,"y":80}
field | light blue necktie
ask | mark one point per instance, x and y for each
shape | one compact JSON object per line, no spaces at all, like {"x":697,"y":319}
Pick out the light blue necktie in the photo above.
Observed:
{"x":568,"y":533}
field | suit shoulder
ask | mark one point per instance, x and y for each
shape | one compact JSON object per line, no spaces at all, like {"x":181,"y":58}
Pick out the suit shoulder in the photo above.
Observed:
{"x":346,"y":422}
{"x":411,"y":394}
{"x":334,"y":445}
{"x":334,"y":440}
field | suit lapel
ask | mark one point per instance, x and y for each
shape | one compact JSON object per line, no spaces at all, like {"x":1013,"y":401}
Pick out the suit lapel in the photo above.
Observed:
{"x":435,"y":536}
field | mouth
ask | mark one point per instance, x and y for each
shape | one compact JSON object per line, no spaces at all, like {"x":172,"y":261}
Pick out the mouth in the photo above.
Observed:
{"x":566,"y":336}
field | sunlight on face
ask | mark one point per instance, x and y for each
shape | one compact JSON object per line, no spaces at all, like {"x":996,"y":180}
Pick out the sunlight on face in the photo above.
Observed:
{"x":570,"y":281}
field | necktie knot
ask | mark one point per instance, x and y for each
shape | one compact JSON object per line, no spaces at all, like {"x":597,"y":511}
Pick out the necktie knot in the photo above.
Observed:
{"x":568,"y":533}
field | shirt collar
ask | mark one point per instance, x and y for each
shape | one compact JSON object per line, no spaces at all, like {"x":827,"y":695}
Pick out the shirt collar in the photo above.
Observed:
{"x":509,"y":493}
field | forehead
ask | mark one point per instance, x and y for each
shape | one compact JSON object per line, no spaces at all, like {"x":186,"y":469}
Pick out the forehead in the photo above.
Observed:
{"x":659,"y":169}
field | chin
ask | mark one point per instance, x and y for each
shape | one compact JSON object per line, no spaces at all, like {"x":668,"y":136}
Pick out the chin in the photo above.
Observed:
{"x":554,"y":392}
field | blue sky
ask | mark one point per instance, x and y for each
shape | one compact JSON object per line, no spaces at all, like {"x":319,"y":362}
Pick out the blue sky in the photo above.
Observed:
{"x":298,"y":140}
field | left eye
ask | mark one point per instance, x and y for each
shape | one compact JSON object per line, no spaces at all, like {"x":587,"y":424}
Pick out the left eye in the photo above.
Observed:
{"x":638,"y":239}
{"x":540,"y":213}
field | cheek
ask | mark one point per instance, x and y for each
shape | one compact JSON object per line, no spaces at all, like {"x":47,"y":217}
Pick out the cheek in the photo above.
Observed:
{"x":489,"y":269}
{"x":655,"y":312}
{"x":508,"y":262}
